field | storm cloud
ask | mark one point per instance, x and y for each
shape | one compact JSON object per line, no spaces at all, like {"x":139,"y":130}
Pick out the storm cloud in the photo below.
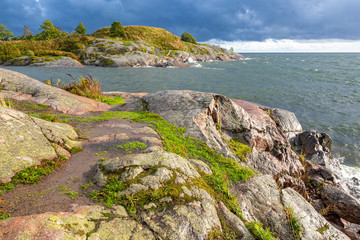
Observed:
{"x":228,"y":20}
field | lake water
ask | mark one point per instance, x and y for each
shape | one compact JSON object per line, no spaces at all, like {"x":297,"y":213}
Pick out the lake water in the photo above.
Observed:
{"x":323,"y":90}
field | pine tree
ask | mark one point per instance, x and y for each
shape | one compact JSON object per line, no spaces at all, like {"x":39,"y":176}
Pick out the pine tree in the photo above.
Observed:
{"x":5,"y":33}
{"x":49,"y":31}
{"x":116,"y":30}
{"x":80,"y":29}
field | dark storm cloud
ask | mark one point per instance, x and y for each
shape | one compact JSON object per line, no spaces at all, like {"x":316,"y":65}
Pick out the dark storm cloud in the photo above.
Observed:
{"x":228,"y":20}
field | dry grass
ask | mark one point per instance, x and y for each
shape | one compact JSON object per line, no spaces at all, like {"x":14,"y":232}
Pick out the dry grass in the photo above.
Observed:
{"x":5,"y":104}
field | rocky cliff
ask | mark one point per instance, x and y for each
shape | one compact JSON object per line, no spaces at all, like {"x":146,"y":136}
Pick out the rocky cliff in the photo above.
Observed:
{"x":168,"y":165}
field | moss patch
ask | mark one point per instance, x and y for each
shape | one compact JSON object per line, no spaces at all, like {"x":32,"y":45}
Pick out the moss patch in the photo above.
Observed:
{"x":259,"y":232}
{"x":225,"y":171}
{"x":240,"y":149}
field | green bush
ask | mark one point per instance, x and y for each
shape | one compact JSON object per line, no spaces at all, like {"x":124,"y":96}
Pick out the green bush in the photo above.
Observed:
{"x":187,"y":37}
{"x":5,"y":33}
{"x":49,"y":31}
{"x":116,"y":30}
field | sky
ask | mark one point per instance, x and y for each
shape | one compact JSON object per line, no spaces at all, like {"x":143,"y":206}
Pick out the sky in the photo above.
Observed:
{"x":245,"y":25}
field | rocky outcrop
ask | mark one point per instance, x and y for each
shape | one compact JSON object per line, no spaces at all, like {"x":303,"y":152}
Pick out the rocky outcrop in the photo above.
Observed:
{"x":43,"y":62}
{"x":20,"y":86}
{"x":84,"y":222}
{"x":25,"y":141}
{"x":314,"y":226}
{"x":111,"y":53}
{"x":341,"y":203}
{"x":287,"y":121}
{"x":216,"y":119}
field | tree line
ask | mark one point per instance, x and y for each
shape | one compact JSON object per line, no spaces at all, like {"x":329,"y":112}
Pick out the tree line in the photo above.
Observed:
{"x":49,"y":31}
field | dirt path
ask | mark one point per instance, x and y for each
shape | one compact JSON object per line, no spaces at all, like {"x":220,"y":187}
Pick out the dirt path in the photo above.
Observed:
{"x":62,"y":189}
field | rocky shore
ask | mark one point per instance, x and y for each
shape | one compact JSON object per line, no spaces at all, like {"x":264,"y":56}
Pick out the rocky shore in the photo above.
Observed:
{"x":110,"y":53}
{"x":174,"y":164}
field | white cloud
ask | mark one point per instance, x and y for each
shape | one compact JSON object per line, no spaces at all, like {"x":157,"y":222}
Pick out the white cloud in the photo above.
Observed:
{"x":288,"y":45}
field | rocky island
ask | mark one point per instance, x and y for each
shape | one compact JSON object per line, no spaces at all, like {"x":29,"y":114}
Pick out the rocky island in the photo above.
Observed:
{"x":173,"y":164}
{"x":136,"y":46}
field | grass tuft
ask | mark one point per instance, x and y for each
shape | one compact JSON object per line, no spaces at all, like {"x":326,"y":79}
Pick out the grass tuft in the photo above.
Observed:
{"x":257,"y":230}
{"x":295,"y":226}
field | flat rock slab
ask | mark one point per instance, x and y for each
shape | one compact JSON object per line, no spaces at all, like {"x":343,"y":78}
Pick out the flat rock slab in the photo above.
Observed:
{"x":41,"y":93}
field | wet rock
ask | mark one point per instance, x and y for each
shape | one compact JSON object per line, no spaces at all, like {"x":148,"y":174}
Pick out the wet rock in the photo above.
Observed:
{"x":342,"y":203}
{"x":259,"y":200}
{"x":25,"y":141}
{"x":287,"y":122}
{"x":41,"y":93}
{"x":314,"y":225}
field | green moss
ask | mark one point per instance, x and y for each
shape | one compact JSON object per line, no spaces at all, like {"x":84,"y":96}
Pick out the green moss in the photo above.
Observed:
{"x":5,"y":215}
{"x":240,"y":149}
{"x":257,"y":230}
{"x":129,"y":147}
{"x":323,"y":229}
{"x":76,"y":149}
{"x":295,"y":226}
{"x":225,"y":170}
{"x":46,"y":116}
{"x":33,"y":174}
{"x":68,"y":191}
{"x":111,"y":100}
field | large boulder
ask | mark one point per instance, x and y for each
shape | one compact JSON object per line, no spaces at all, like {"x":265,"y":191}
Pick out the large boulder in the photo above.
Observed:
{"x":214,"y":118}
{"x":288,"y":122}
{"x":314,"y":225}
{"x":316,"y":146}
{"x":341,"y":203}
{"x":25,"y":141}
{"x":259,"y":200}
{"x":39,"y":92}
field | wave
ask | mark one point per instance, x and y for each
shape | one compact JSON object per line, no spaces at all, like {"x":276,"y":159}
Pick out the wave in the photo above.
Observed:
{"x":348,"y":177}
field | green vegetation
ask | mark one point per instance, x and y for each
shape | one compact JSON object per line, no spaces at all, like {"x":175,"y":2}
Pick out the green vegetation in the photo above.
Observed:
{"x":225,"y":171}
{"x":117,"y":30}
{"x":257,"y":230}
{"x":33,"y":174}
{"x":240,"y":149}
{"x":187,"y":37}
{"x":68,"y":191}
{"x":76,"y":149}
{"x":85,"y":186}
{"x":295,"y":226}
{"x":49,"y":31}
{"x":132,"y":146}
{"x":80,"y":29}
{"x":323,"y":229}
{"x":5,"y":33}
{"x":46,"y":116}
{"x":5,"y":215}
{"x":87,"y":87}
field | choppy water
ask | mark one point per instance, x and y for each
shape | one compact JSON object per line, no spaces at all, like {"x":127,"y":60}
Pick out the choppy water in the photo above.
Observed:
{"x":323,"y":90}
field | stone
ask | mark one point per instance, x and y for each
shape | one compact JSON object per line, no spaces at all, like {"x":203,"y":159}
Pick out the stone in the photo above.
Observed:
{"x":204,"y":114}
{"x":25,"y":141}
{"x":235,"y":222}
{"x":288,"y":122}
{"x":314,"y":225}
{"x":342,"y":203}
{"x":39,"y":92}
{"x":131,"y":173}
{"x":75,"y":225}
{"x":202,"y":166}
{"x":316,"y":146}
{"x":194,"y":220}
{"x":259,"y":200}
{"x":152,"y":159}
{"x":133,"y":188}
{"x":61,"y":62}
